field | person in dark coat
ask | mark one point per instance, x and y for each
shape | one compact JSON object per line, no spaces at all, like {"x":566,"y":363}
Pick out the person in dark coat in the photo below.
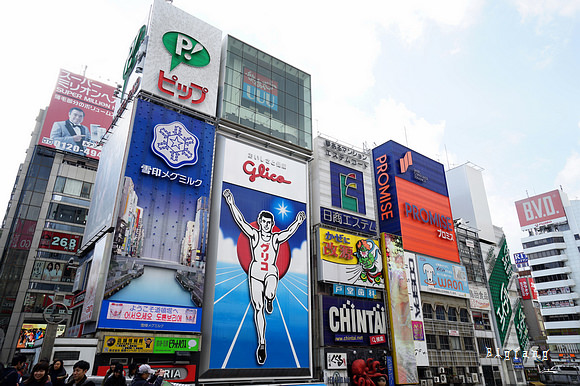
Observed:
{"x":79,"y":375}
{"x":117,"y":378}
{"x":146,"y":376}
{"x":57,"y":373}
{"x":39,"y":375}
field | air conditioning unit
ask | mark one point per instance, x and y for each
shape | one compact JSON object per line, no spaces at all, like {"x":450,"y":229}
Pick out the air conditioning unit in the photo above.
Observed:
{"x":461,"y":378}
{"x":436,"y":379}
{"x":423,"y":382}
{"x":441,"y":370}
{"x":428,"y":374}
{"x":475,"y":378}
{"x":468,"y":379}
{"x":443,"y":378}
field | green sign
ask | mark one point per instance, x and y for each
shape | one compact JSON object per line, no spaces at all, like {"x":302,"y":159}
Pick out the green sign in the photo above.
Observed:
{"x":171,"y":345}
{"x":498,"y":283}
{"x":131,"y":61}
{"x":185,"y":49}
{"x":521,"y":327}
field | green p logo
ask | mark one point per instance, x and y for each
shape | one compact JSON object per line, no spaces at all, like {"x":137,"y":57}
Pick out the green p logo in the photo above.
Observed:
{"x":185,"y":49}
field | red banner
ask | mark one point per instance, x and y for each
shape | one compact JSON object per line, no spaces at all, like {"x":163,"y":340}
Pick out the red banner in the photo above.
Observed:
{"x":524,"y":288}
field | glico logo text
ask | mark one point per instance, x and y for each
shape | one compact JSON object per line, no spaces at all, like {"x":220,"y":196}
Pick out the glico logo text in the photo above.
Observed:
{"x":427,"y":217}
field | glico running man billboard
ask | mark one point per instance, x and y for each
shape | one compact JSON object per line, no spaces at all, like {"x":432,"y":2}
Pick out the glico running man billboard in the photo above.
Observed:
{"x":157,"y":267}
{"x":261,"y":302}
{"x":413,"y":201}
{"x":80,"y":112}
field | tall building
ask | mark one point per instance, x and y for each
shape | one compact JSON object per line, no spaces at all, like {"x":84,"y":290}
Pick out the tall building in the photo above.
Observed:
{"x":47,"y":212}
{"x":494,"y":298}
{"x":552,"y":246}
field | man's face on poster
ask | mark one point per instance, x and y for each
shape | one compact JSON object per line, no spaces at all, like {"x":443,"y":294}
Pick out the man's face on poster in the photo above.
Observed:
{"x":265,"y":224}
{"x":76,"y":117}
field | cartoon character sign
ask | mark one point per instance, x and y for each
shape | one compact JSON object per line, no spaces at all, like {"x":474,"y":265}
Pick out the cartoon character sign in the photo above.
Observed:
{"x":260,"y":315}
{"x":370,"y":263}
{"x":263,"y":273}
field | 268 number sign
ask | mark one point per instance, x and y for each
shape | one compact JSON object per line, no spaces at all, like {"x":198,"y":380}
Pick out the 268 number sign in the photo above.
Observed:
{"x":60,"y":241}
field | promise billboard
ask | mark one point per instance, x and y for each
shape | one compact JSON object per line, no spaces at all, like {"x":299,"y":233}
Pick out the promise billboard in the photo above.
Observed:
{"x":413,"y":201}
{"x":80,"y":112}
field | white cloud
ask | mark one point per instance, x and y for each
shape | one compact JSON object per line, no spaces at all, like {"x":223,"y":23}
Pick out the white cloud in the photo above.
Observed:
{"x":227,"y":250}
{"x":569,"y":176}
{"x":300,"y":259}
{"x":547,"y":9}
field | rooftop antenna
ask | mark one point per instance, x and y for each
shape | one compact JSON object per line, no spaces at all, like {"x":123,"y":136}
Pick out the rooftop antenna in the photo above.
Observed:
{"x":447,"y":156}
{"x":406,"y":140}
{"x":84,"y":70}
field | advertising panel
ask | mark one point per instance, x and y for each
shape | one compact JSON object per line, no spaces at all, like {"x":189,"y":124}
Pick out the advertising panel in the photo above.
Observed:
{"x":343,"y":189}
{"x":441,"y":277}
{"x":23,"y":234}
{"x":521,"y":327}
{"x":95,"y":279}
{"x":79,"y":114}
{"x":533,"y":288}
{"x":524,"y":288}
{"x":184,"y":374}
{"x":60,"y":241}
{"x":416,"y":310}
{"x":53,"y":271}
{"x":260,"y":89}
{"x":31,"y":332}
{"x":399,"y":310}
{"x":183,"y":59}
{"x":498,"y":284}
{"x":350,"y":259}
{"x":157,"y":267}
{"x":349,"y":322}
{"x":127,"y":344}
{"x":543,"y":209}
{"x":479,"y":297}
{"x":261,"y":300}
{"x":413,"y":202}
{"x":520,"y":258}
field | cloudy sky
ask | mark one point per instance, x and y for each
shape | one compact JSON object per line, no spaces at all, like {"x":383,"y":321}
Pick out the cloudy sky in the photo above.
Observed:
{"x":490,"y":82}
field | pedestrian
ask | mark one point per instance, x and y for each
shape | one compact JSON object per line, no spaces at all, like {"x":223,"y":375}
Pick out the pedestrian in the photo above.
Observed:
{"x":57,"y":373}
{"x":79,"y":375}
{"x":117,"y":378}
{"x":133,"y":368}
{"x":11,"y":374}
{"x":146,"y":376}
{"x":110,"y":371}
{"x":39,"y":375}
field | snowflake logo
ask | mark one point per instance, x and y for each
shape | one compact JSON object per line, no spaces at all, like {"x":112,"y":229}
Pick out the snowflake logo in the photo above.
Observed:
{"x":175,"y":144}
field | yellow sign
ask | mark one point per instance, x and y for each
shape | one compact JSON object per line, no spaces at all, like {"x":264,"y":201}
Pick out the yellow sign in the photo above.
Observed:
{"x":343,"y":248}
{"x":128,"y":344}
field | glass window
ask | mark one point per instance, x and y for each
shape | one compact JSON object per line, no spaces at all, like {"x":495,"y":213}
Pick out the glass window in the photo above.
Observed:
{"x":59,"y":184}
{"x":444,"y":342}
{"x":455,"y":343}
{"x":468,"y":342}
{"x":452,"y":314}
{"x":464,"y":315}
{"x":440,"y":312}
{"x":481,"y":321}
{"x":427,"y":311}
{"x":73,"y":187}
{"x":431,"y":342}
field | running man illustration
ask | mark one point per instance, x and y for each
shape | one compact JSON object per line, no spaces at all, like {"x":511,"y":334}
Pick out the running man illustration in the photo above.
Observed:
{"x":263,"y":273}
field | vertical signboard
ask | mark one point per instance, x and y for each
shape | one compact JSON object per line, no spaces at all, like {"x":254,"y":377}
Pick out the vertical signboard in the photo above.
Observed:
{"x":261,"y":301}
{"x":350,"y":259}
{"x":399,"y":310}
{"x":157,"y":269}
{"x":498,"y":284}
{"x":80,"y":112}
{"x":543,"y":209}
{"x":521,"y":327}
{"x":533,"y":288}
{"x":343,"y":187}
{"x":183,"y":59}
{"x":524,"y":288}
{"x":416,"y":309}
{"x":413,"y":201}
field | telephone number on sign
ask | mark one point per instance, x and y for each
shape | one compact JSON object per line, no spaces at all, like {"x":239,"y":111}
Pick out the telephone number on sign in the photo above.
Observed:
{"x":73,"y":148}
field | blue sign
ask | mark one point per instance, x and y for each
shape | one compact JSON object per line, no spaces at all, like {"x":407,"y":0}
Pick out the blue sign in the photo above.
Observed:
{"x":371,"y":293}
{"x":440,"y":276}
{"x":361,"y":293}
{"x":348,"y":221}
{"x":338,"y":289}
{"x":350,"y":321}
{"x":350,"y":290}
{"x":151,"y":317}
{"x":165,"y":188}
{"x":391,"y":370}
{"x":520,"y":258}
{"x":347,"y":188}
